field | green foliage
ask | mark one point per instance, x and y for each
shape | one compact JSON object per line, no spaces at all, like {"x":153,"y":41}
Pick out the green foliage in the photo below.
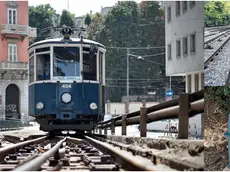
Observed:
{"x":127,"y":25}
{"x":221,"y":95}
{"x":217,"y":13}
{"x":67,"y":19}
{"x":42,"y":16}
{"x":95,"y":25}
{"x":87,"y":20}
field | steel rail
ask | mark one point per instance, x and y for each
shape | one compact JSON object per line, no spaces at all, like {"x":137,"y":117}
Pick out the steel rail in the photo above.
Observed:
{"x":212,"y":39}
{"x":126,"y":160}
{"x":75,"y":140}
{"x":35,"y":164}
{"x":163,"y":114}
{"x":207,"y":61}
{"x":192,"y":97}
{"x":6,"y":150}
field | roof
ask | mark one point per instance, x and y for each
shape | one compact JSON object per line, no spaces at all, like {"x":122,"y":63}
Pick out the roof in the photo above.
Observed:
{"x":71,"y":41}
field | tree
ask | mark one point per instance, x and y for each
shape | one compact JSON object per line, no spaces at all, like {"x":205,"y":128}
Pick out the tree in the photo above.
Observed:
{"x":127,"y":25}
{"x":95,"y":25}
{"x":41,"y":17}
{"x":216,"y":13}
{"x":87,"y":20}
{"x":67,"y":19}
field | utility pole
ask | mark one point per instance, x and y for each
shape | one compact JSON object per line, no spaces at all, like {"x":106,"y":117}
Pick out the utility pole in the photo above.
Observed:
{"x":68,"y":4}
{"x":127,"y":107}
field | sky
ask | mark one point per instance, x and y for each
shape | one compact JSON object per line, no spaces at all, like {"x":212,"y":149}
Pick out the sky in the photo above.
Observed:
{"x":78,"y":7}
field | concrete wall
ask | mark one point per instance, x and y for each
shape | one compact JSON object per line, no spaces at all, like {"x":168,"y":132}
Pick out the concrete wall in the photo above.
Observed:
{"x":191,"y":21}
{"x":119,"y":108}
{"x":188,"y":22}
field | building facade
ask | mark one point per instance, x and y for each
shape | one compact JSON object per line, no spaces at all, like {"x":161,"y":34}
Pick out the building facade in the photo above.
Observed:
{"x":184,"y":32}
{"x":105,"y":10}
{"x":15,"y":34}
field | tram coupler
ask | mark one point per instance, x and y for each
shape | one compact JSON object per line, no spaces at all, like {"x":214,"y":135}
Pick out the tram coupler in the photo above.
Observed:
{"x":227,"y":135}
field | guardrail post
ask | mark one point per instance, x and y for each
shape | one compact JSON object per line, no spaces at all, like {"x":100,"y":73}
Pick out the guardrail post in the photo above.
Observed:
{"x":183,"y":116}
{"x":143,"y":121}
{"x":123,"y":129}
{"x":105,"y":130}
{"x":112,"y":126}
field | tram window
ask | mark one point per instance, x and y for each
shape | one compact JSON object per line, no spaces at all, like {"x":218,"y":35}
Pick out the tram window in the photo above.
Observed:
{"x":42,"y":49}
{"x":66,"y":63}
{"x":31,"y":53}
{"x":43,"y":67}
{"x":31,"y":69}
{"x":89,"y":67}
{"x":101,"y":67}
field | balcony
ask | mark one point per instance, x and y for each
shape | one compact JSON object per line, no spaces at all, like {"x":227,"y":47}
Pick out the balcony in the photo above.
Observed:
{"x":13,"y":70}
{"x":23,"y":30}
{"x":13,"y":66}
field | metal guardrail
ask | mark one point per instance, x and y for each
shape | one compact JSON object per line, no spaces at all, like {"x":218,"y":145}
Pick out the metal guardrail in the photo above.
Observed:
{"x":11,"y":124}
{"x":184,"y":107}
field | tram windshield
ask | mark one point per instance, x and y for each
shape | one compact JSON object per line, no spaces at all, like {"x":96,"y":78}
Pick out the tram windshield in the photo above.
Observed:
{"x":66,"y":63}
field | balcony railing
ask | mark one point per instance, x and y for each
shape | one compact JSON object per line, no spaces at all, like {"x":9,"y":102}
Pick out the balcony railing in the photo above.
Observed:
{"x":19,"y":29}
{"x":13,"y":65}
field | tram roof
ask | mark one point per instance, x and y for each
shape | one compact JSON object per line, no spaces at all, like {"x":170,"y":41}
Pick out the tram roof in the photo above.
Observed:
{"x":62,"y":41}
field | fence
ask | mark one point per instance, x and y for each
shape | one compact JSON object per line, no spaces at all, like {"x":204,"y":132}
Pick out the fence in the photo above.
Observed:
{"x":184,"y":107}
{"x":11,"y":124}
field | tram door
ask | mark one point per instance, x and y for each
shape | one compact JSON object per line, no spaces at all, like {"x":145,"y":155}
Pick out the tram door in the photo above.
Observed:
{"x":100,"y":81}
{"x":12,"y":102}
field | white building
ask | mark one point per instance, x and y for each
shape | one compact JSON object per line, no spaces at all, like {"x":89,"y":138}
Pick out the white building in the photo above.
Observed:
{"x":105,"y":10}
{"x":80,"y":21}
{"x":184,"y":42}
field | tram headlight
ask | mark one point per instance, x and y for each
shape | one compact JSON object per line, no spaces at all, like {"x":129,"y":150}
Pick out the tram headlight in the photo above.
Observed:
{"x":93,"y":106}
{"x":39,"y":105}
{"x":66,"y":97}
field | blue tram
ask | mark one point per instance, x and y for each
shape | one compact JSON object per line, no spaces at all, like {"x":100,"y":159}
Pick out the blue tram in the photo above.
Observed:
{"x":66,"y":83}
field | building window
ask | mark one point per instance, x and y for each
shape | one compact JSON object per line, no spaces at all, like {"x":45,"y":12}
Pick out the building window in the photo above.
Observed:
{"x":169,"y":52}
{"x":184,"y":6}
{"x":12,"y":53}
{"x":178,"y":54}
{"x":177,"y":8}
{"x":196,"y":82}
{"x":188,"y":83}
{"x":79,"y":23}
{"x":192,"y":4}
{"x":12,"y":16}
{"x":193,"y":43}
{"x":169,"y":14}
{"x":185,"y":46}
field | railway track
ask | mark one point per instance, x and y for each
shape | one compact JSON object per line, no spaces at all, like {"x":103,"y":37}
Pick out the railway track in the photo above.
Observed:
{"x":84,"y":153}
{"x":215,"y":49}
